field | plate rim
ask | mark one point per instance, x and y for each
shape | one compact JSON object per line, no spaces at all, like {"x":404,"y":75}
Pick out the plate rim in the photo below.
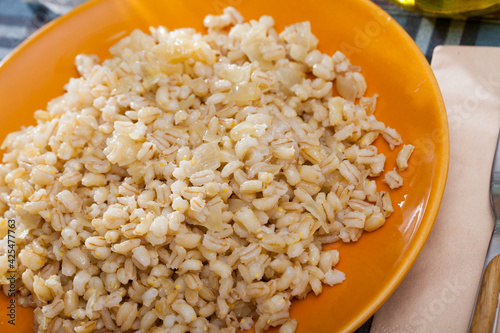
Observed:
{"x":438,"y":183}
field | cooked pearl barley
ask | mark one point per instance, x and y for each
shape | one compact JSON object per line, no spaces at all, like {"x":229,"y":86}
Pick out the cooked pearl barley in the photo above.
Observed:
{"x":350,"y":172}
{"x":392,"y":137}
{"x":78,"y":258}
{"x":188,"y":183}
{"x":289,"y":327}
{"x":334,"y":277}
{"x":80,"y":281}
{"x":31,"y":260}
{"x":188,"y":241}
{"x":393,"y":179}
{"x":149,"y":296}
{"x":220,"y":268}
{"x":180,"y":204}
{"x":248,"y":219}
{"x":251,"y":186}
{"x":70,"y":302}
{"x":141,"y":255}
{"x":374,"y":221}
{"x":403,"y":156}
{"x":159,"y":227}
{"x":126,"y":315}
{"x":70,"y":238}
{"x":126,"y":246}
{"x":53,"y":309}
{"x":186,"y":311}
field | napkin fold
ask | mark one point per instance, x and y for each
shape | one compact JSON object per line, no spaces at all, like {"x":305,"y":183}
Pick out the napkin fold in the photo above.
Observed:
{"x":438,"y":293}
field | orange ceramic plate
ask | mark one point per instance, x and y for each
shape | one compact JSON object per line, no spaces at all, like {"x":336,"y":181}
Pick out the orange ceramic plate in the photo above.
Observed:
{"x":394,"y":68}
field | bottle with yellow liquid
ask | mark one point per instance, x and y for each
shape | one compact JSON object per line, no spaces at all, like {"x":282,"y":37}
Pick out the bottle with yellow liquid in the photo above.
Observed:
{"x":451,"y":8}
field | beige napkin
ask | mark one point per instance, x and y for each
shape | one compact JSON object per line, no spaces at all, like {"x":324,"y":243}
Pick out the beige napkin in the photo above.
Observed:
{"x":438,"y":293}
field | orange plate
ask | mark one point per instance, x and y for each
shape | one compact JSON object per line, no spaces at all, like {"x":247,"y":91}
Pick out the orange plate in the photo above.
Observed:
{"x":394,"y":68}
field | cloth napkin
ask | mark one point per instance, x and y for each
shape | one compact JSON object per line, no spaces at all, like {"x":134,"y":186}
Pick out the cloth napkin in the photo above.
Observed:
{"x":438,"y":293}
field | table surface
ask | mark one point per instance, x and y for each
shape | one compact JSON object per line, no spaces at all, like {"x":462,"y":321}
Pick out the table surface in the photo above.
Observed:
{"x":19,"y":19}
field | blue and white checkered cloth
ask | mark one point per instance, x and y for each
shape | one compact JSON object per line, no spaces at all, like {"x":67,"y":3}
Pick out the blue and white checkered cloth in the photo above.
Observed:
{"x":19,"y":19}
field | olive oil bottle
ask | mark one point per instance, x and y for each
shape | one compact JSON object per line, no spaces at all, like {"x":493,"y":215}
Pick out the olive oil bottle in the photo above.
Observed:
{"x":450,"y":8}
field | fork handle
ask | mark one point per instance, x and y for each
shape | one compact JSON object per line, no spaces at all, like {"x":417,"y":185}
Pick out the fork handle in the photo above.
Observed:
{"x":487,"y":298}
